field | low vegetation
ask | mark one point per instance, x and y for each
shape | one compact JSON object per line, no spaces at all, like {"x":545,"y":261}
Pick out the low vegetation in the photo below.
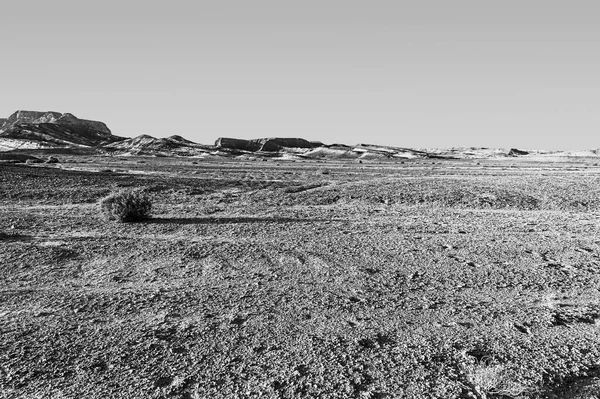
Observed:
{"x":487,"y":378}
{"x":131,"y":205}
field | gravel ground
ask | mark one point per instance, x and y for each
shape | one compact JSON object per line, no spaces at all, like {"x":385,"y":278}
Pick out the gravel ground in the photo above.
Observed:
{"x":446,"y":279}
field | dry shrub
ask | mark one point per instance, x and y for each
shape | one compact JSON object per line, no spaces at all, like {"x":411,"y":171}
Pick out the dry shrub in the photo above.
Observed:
{"x":132,"y":205}
{"x":494,"y":379}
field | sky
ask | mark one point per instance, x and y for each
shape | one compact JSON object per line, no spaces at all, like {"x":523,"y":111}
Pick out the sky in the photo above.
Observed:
{"x":422,"y":73}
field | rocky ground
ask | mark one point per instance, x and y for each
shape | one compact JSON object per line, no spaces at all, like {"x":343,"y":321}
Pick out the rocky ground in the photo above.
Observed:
{"x":298,"y":279}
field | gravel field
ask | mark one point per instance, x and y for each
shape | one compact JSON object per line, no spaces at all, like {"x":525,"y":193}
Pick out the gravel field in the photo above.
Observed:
{"x":301,"y":279}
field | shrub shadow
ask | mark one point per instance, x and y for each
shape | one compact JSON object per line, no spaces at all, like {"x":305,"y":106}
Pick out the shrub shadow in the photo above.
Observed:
{"x":15,"y":237}
{"x":233,"y":220}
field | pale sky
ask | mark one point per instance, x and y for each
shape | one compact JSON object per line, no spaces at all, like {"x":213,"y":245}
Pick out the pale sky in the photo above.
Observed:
{"x":417,"y":73}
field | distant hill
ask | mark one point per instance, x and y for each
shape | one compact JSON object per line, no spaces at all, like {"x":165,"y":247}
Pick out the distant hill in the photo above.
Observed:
{"x":169,"y":146}
{"x":33,"y":129}
{"x":266,"y":144}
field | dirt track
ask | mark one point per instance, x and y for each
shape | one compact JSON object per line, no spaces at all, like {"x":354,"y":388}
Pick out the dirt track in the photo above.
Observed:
{"x":446,"y":279}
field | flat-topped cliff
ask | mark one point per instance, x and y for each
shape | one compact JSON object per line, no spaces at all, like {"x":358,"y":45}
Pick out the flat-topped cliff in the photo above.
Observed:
{"x":265,"y":144}
{"x":55,"y":129}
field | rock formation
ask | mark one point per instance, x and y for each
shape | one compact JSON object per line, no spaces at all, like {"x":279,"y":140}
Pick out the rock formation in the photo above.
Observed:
{"x":56,"y":129}
{"x":21,"y":117}
{"x":33,"y":130}
{"x":237,"y":144}
{"x":148,"y":145}
{"x":265,"y":144}
{"x":277,"y":144}
{"x":514,"y":152}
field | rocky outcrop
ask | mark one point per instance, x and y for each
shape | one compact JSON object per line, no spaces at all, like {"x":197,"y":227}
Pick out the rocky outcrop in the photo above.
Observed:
{"x":333,"y":152}
{"x":34,"y":130}
{"x":29,"y":117}
{"x":148,"y":142}
{"x":277,"y":144}
{"x":141,"y":140}
{"x":237,"y":144}
{"x":98,"y":128}
{"x":178,"y":139}
{"x":148,"y":145}
{"x":265,"y":144}
{"x":514,"y":152}
{"x":56,"y":129}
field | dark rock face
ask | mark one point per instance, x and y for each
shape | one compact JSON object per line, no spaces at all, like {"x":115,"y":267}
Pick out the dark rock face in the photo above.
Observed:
{"x":276,"y":144}
{"x":265,"y":144}
{"x":56,"y":128}
{"x":514,"y":152}
{"x":237,"y":144}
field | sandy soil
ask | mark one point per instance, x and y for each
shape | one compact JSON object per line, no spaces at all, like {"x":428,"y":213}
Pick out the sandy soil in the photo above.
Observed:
{"x":301,"y":279}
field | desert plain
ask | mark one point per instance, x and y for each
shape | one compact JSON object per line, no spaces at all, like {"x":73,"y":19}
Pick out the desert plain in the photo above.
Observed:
{"x":426,"y":278}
